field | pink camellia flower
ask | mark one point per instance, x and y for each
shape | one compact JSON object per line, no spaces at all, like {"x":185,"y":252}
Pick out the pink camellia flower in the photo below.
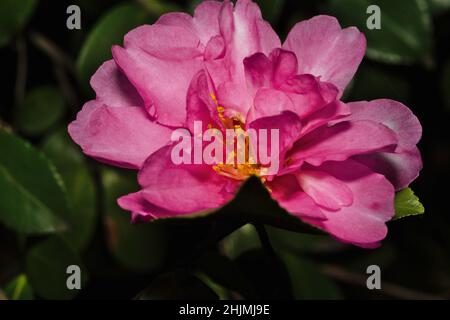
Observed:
{"x":340,"y":163}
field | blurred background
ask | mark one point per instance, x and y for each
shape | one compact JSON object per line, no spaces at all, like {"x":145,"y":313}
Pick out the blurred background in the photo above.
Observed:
{"x":58,"y":207}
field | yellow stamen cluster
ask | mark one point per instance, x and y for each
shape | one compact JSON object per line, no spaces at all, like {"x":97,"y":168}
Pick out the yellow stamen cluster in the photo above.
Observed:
{"x":232,"y":168}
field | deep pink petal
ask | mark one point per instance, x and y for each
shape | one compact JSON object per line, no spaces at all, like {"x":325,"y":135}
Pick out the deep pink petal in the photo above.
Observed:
{"x":269,"y":102}
{"x":324,"y":189}
{"x":343,"y":140}
{"x":332,"y":111}
{"x":401,"y":168}
{"x":243,"y":33}
{"x":183,"y":188}
{"x":287,"y":192}
{"x":278,"y":72}
{"x":200,"y":105}
{"x":160,"y":62}
{"x":324,"y":49}
{"x":113,"y":88}
{"x":124,"y":137}
{"x":289,"y":128}
{"x":363,"y":222}
{"x":141,"y":209}
{"x":392,"y":114}
{"x":273,"y":71}
{"x":204,"y":24}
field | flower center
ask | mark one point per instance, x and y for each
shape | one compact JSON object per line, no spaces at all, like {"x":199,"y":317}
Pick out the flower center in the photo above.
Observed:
{"x":233,"y":168}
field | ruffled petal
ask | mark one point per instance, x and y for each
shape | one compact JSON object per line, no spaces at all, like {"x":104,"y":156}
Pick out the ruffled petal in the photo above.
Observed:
{"x":289,"y":195}
{"x":113,"y":88}
{"x":183,"y":188}
{"x":403,"y":165}
{"x":341,"y":141}
{"x":363,"y":223}
{"x":124,"y":137}
{"x":326,"y":50}
{"x":160,"y":62}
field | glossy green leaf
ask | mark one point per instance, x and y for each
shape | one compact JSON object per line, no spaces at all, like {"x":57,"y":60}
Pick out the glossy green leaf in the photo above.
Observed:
{"x":80,"y":185}
{"x":139,"y":247}
{"x":301,"y":242}
{"x":108,"y":31}
{"x":157,"y":8}
{"x":306,"y":279}
{"x":241,"y":240}
{"x":13,"y":17}
{"x":439,"y":6}
{"x":19,"y":289}
{"x":32,"y":195}
{"x":223,"y":273}
{"x":407,"y":204}
{"x":177,"y":286}
{"x":271,"y":9}
{"x":42,"y":108}
{"x":405,"y":36}
{"x":375,"y":83}
{"x":46,"y":267}
{"x":221,"y":292}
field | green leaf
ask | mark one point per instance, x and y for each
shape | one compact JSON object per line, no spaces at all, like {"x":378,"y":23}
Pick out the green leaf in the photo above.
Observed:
{"x":19,"y":289}
{"x":46,"y":267}
{"x":446,"y":85}
{"x":139,"y":247}
{"x":271,"y":9}
{"x":223,"y":273}
{"x":439,"y":6}
{"x":108,"y":31}
{"x":177,"y":286}
{"x":405,"y":36}
{"x":157,"y":7}
{"x":306,"y":279}
{"x":42,"y":108}
{"x":220,"y":291}
{"x":374,"y":83}
{"x":407,"y":204}
{"x":13,"y":17}
{"x":32,"y":195}
{"x":240,"y":241}
{"x":80,"y":185}
{"x":301,"y":242}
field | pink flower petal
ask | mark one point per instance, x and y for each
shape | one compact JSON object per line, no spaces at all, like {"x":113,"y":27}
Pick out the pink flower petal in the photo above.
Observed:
{"x":326,"y":50}
{"x":204,"y":24}
{"x":124,"y":137}
{"x":363,"y":222}
{"x":113,"y":88}
{"x":141,"y":209}
{"x":324,"y":189}
{"x":183,"y":188}
{"x":393,"y":115}
{"x":287,"y":192}
{"x":403,"y":166}
{"x":289,"y":128}
{"x":342,"y":141}
{"x":200,"y":106}
{"x":244,"y":33}
{"x":332,"y":111}
{"x":160,"y":62}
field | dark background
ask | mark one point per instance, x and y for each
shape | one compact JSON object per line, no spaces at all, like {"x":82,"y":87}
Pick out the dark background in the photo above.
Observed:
{"x":120,"y":260}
